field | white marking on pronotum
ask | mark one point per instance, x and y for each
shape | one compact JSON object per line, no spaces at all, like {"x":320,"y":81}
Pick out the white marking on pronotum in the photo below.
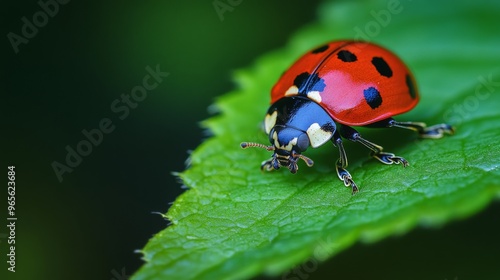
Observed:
{"x":270,"y":121}
{"x":287,"y":147}
{"x":318,"y":136}
{"x":314,"y":95}
{"x":293,"y":90}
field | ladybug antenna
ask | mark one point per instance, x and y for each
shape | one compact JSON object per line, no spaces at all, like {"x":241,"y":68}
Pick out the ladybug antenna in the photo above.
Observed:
{"x":245,"y":145}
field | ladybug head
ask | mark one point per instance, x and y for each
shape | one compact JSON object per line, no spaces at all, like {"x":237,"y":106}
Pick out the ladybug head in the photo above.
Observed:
{"x":288,"y":144}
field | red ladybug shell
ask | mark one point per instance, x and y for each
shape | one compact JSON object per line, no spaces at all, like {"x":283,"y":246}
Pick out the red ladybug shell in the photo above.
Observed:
{"x":357,"y":83}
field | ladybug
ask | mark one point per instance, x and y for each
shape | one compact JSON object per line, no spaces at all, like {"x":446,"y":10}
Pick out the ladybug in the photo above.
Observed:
{"x":332,"y":88}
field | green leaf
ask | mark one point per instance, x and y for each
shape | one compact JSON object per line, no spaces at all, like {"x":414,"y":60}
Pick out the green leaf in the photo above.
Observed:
{"x":237,"y":222}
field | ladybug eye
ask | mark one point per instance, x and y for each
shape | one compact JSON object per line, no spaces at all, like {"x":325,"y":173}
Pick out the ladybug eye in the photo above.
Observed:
{"x":302,"y":142}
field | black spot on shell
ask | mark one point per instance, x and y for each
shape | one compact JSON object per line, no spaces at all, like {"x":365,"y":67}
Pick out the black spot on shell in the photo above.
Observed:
{"x":301,"y":80}
{"x":382,"y":67}
{"x":372,"y":97}
{"x":328,"y":127}
{"x":411,"y":86}
{"x":346,"y":56}
{"x":306,"y":82}
{"x":320,"y":49}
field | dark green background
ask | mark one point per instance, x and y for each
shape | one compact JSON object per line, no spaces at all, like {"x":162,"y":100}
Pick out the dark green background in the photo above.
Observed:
{"x":85,"y":57}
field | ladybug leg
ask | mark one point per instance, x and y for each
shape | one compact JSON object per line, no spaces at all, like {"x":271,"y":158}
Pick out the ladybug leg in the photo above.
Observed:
{"x":267,"y":165}
{"x":376,"y":150}
{"x":434,"y":131}
{"x":341,"y":165}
